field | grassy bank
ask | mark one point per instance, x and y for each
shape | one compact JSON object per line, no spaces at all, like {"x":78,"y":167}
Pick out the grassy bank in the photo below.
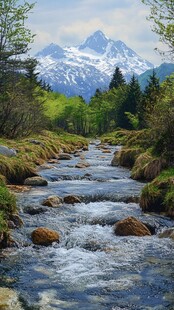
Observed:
{"x":31,"y":152}
{"x":137,"y":153}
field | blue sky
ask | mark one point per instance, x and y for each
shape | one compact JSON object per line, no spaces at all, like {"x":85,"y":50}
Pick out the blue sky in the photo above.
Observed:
{"x":69,"y":22}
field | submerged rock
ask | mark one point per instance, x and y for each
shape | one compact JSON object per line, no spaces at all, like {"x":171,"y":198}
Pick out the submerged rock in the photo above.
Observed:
{"x":131,"y":227}
{"x":34,"y":210}
{"x":168,"y":233}
{"x":71,"y":199}
{"x":53,"y":201}
{"x":36,"y":181}
{"x":9,"y":299}
{"x":44,"y":236}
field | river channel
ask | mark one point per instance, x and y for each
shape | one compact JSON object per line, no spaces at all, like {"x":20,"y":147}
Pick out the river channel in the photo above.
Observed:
{"x":91,"y":268}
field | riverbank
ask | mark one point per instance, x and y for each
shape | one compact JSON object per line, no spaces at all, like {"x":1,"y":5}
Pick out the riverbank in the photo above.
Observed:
{"x":20,"y":160}
{"x":137,"y":154}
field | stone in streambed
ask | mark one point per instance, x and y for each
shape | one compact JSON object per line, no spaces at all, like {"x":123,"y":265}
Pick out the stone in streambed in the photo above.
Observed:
{"x":9,"y":299}
{"x":44,"y":236}
{"x":34,"y":210}
{"x":131,"y":227}
{"x":64,"y":156}
{"x":82,"y":165}
{"x":36,"y":181}
{"x":53,"y":201}
{"x":168,"y":233}
{"x":71,"y":199}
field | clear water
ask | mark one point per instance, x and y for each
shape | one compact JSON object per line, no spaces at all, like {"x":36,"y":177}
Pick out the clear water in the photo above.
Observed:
{"x":90,"y":268}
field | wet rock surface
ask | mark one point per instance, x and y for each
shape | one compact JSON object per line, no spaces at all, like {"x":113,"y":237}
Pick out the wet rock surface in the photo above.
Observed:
{"x":131,"y":227}
{"x":36,"y":181}
{"x":44,"y":236}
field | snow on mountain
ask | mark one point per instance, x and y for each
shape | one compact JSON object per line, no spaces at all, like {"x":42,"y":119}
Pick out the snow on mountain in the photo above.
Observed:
{"x":81,"y":69}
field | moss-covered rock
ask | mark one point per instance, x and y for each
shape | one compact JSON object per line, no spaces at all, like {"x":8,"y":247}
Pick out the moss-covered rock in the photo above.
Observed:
{"x":126,"y":157}
{"x":146,"y":167}
{"x":158,"y":196}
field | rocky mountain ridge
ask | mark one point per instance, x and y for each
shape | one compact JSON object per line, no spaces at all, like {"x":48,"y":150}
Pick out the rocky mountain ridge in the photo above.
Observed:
{"x":80,"y":70}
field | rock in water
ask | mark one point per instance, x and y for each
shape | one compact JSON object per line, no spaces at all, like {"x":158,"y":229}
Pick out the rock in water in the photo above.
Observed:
{"x":131,"y":227}
{"x":9,"y":299}
{"x":44,"y":236}
{"x":36,"y":181}
{"x":71,"y":199}
{"x":53,"y":201}
{"x":64,"y":156}
{"x":168,"y":233}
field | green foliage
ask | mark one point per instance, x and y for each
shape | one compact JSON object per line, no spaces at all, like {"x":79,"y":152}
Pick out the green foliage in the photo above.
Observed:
{"x":133,"y":119}
{"x":162,"y":18}
{"x":160,"y":120}
{"x":7,"y":201}
{"x":117,"y":79}
{"x":3,"y":223}
{"x":158,"y":195}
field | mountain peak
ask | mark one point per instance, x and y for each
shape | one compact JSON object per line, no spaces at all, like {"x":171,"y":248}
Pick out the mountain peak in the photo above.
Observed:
{"x":97,"y":42}
{"x":52,"y":50}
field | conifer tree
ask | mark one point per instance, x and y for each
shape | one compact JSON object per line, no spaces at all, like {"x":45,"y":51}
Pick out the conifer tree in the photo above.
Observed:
{"x":117,"y":79}
{"x":130,"y":104}
{"x":150,"y":97}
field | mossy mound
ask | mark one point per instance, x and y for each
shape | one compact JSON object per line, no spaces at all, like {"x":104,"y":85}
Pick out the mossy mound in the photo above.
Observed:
{"x":7,"y":209}
{"x":119,"y":137}
{"x":35,"y":151}
{"x":126,"y":157}
{"x":146,"y":167}
{"x":158,"y":196}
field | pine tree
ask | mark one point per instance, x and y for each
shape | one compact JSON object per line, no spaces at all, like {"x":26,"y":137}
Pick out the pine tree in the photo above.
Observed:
{"x":150,"y":98}
{"x":131,"y":103}
{"x":117,"y":79}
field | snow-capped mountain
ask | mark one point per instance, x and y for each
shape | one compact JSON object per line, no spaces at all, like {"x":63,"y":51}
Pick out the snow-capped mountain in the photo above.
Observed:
{"x":81,"y":69}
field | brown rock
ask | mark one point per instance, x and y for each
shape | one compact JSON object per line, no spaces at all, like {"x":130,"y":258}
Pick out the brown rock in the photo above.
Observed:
{"x":131,"y":226}
{"x":53,"y":201}
{"x":85,"y":148}
{"x":9,"y":299}
{"x":82,"y":165}
{"x":106,"y":151}
{"x":71,"y":199}
{"x":44,"y":236}
{"x":53,"y":161}
{"x":64,"y":156}
{"x":36,"y":181}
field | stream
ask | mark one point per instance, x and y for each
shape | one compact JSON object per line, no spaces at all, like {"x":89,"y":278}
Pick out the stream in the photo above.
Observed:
{"x":91,"y":268}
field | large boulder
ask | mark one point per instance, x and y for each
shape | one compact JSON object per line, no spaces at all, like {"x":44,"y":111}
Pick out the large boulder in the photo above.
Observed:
{"x":71,"y":199}
{"x":131,"y":227}
{"x":53,"y":201}
{"x":36,"y":181}
{"x":4,"y":150}
{"x":44,"y":236}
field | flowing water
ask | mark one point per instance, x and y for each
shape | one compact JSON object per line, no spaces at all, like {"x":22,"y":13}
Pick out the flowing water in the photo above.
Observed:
{"x":91,"y":268}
